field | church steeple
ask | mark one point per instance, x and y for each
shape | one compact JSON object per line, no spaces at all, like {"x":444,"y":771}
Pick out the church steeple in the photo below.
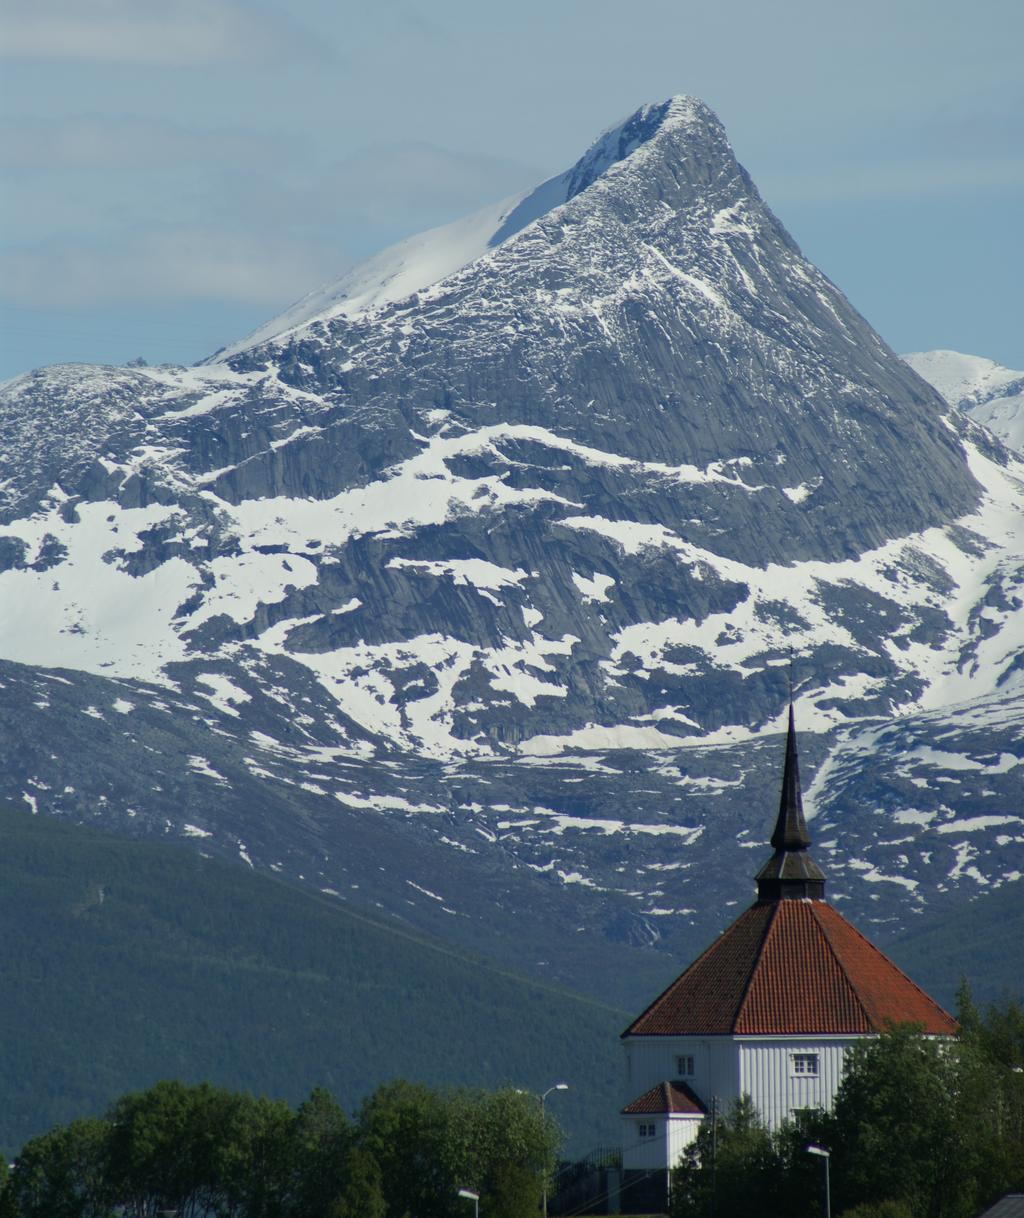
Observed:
{"x":790,"y":872}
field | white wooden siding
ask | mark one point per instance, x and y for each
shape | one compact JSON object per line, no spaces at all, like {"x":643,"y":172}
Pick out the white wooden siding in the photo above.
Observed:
{"x":766,"y":1074}
{"x":682,"y":1130}
{"x":644,"y":1154}
{"x":665,"y":1149}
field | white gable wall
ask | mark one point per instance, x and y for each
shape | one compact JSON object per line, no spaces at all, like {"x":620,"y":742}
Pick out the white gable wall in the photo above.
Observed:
{"x":674,"y":1132}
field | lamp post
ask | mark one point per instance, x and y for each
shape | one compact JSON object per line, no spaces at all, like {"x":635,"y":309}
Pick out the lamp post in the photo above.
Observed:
{"x":474,"y":1197}
{"x":543,"y":1121}
{"x":822,"y":1153}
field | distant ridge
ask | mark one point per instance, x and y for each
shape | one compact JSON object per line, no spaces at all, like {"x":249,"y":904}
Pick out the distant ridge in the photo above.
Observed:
{"x":988,"y":392}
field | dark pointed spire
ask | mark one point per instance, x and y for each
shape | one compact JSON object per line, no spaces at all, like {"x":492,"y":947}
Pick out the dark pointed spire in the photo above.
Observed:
{"x":790,"y":872}
{"x":791,"y":828}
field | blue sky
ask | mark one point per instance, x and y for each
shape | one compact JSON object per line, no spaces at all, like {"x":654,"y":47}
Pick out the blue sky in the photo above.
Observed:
{"x":176,"y":172}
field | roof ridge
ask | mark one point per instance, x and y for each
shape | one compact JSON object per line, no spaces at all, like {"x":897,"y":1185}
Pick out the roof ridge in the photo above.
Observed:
{"x":773,"y":917}
{"x":888,"y":959}
{"x":663,"y":1098}
{"x":840,"y":963}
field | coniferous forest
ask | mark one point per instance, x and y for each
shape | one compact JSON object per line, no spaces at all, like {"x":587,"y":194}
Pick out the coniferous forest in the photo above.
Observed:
{"x":128,"y":962}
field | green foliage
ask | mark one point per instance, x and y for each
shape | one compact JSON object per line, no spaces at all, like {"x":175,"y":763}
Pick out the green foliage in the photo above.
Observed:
{"x":967,"y":1014}
{"x":512,"y":1190}
{"x":64,"y":1174}
{"x":430,"y":1144}
{"x":403,"y":1126}
{"x":126,"y":962}
{"x":209,"y":1153}
{"x":321,"y":1146}
{"x":361,"y":1194}
{"x":893,"y":1133}
{"x":936,"y":1127}
{"x":884,"y":1209}
{"x":737,"y":1167}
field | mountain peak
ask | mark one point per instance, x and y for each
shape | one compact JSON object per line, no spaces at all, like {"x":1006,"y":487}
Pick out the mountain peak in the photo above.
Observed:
{"x":420,"y":261}
{"x":617,"y":142}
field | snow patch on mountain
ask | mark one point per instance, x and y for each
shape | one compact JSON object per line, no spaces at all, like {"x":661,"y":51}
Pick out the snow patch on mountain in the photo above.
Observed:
{"x":86,"y":611}
{"x":85,"y":608}
{"x":396,"y":272}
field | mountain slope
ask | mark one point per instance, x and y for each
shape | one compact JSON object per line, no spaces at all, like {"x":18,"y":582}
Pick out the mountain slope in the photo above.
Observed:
{"x":478,"y":604}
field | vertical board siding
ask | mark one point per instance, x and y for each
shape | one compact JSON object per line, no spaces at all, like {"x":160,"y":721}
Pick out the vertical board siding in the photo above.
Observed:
{"x":682,"y":1131}
{"x":766,"y":1075}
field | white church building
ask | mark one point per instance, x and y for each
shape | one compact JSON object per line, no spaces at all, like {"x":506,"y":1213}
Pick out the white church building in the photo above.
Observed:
{"x":768,"y":1011}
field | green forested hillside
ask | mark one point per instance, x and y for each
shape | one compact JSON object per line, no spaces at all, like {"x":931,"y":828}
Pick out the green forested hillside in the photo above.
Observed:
{"x":126,"y":962}
{"x":982,"y":941}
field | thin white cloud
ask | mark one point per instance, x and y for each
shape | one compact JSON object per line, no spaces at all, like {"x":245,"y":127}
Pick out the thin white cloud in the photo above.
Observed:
{"x":177,"y":33}
{"x":89,"y":142}
{"x":167,"y":265}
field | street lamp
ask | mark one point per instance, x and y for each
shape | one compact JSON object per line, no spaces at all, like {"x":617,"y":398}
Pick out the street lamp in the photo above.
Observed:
{"x":474,"y":1197}
{"x":822,"y":1153}
{"x":543,"y":1121}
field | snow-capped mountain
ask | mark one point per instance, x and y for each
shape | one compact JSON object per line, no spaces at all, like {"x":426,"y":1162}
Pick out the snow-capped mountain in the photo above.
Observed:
{"x":469,"y":587}
{"x":988,"y":392}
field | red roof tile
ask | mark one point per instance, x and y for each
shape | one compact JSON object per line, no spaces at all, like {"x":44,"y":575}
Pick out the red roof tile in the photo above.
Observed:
{"x":790,"y":967}
{"x":673,"y":1097}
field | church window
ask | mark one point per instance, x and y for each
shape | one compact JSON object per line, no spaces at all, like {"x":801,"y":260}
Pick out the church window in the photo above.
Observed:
{"x":684,"y":1066}
{"x":805,"y":1063}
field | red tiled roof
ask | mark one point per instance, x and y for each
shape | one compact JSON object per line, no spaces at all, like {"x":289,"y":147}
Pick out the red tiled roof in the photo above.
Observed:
{"x":666,"y":1098}
{"x":790,"y":967}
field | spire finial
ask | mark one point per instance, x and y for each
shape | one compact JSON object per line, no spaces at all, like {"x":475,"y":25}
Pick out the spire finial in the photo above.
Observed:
{"x":791,"y":872}
{"x":790,"y":827}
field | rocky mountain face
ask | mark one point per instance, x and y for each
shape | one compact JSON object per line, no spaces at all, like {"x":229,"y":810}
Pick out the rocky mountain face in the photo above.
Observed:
{"x":989,"y":393}
{"x":470,"y":590}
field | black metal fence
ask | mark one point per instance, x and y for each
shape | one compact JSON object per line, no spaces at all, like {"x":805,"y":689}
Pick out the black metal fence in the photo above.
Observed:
{"x":597,"y":1185}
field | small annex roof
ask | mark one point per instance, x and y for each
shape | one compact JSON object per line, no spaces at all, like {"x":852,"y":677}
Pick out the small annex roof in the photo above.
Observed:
{"x":1010,"y":1206}
{"x":791,"y":967}
{"x":670,"y":1099}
